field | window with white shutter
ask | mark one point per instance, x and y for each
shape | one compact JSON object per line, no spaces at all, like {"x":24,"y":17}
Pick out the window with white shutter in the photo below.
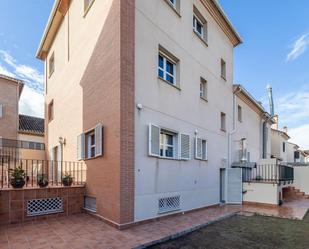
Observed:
{"x":90,"y":144}
{"x":201,"y":149}
{"x":81,"y":147}
{"x":98,"y":133}
{"x":154,"y":140}
{"x":184,"y":147}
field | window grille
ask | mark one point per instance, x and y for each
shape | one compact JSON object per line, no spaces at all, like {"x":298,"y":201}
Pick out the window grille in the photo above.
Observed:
{"x":44,"y":206}
{"x":90,"y":203}
{"x":168,"y":204}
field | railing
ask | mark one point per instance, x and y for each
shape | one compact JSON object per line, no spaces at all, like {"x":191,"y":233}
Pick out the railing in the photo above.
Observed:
{"x":273,"y":173}
{"x":10,"y":143}
{"x":52,"y":171}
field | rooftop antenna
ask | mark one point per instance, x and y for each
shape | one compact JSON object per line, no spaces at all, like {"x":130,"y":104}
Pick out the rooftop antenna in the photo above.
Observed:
{"x":271,"y":100}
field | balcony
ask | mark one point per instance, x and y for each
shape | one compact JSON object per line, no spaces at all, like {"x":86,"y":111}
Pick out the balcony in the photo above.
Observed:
{"x":269,"y":173}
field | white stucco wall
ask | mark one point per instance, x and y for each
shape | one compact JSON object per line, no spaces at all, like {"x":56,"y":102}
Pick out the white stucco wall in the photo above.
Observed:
{"x":266,"y":193}
{"x":277,"y":140}
{"x":182,"y":110}
{"x":301,"y":179}
{"x":251,"y":128}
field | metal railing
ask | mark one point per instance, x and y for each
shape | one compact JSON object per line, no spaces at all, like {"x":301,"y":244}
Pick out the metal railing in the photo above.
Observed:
{"x":10,"y":143}
{"x":274,"y":173}
{"x":53,"y":171}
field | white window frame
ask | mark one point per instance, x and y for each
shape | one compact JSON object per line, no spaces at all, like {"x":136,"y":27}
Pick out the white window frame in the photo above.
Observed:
{"x":84,"y":144}
{"x":51,"y":64}
{"x":165,"y":72}
{"x":203,"y":88}
{"x":87,"y":6}
{"x":89,"y":145}
{"x":196,"y":20}
{"x":239,"y":113}
{"x":223,"y":121}
{"x":164,"y":145}
{"x":204,"y":149}
{"x":223,"y":69}
{"x":180,"y":151}
{"x":173,"y":3}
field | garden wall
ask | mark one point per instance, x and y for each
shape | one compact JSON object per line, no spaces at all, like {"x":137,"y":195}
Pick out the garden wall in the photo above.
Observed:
{"x":14,"y":203}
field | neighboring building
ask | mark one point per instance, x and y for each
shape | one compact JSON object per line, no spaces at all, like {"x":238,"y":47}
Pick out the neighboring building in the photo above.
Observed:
{"x":306,"y":156}
{"x":252,"y":137}
{"x":293,"y":152}
{"x":10,"y":91}
{"x":31,"y":132}
{"x":21,"y":137}
{"x":148,"y":108}
{"x":279,"y":140}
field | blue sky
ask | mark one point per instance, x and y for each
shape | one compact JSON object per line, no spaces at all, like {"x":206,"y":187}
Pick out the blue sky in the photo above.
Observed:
{"x":276,"y":38}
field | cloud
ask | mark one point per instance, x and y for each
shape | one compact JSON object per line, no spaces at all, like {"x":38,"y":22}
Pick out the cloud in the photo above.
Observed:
{"x":293,"y":107}
{"x":5,"y":71}
{"x":31,"y":102}
{"x":298,"y":47}
{"x":299,"y":136}
{"x":293,"y":111}
{"x":33,"y":77}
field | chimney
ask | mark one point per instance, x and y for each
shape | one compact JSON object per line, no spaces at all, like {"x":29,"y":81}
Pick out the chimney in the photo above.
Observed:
{"x":276,"y":124}
{"x":271,"y":100}
{"x":285,"y":129}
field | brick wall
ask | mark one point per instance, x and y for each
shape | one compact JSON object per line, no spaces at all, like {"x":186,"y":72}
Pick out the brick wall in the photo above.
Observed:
{"x":13,"y":203}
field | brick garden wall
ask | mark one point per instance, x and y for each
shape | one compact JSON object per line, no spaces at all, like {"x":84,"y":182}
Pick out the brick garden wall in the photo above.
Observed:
{"x":13,"y":203}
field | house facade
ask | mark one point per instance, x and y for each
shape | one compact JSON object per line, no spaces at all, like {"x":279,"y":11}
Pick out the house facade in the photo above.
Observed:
{"x":21,"y":136}
{"x":148,"y":108}
{"x":252,"y":137}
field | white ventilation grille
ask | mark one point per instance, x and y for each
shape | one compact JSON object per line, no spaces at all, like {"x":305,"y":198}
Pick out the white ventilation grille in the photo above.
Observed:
{"x":44,"y":206}
{"x":168,"y":204}
{"x":90,"y":203}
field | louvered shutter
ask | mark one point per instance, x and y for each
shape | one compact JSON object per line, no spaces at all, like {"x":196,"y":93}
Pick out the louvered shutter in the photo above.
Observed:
{"x":1,"y":111}
{"x":98,"y":133}
{"x":184,"y":147}
{"x":198,"y":148}
{"x":81,"y":147}
{"x":154,"y":140}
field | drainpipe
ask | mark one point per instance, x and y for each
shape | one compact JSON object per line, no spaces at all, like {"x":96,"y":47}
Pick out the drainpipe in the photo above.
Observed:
{"x":231,"y":133}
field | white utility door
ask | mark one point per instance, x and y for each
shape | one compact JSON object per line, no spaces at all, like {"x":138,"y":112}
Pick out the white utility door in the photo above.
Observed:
{"x":234,"y":186}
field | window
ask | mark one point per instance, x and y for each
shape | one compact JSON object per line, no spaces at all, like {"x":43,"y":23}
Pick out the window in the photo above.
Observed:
{"x":201,"y":149}
{"x":164,"y":143}
{"x":167,"y":144}
{"x":239,"y":113}
{"x":90,"y":137}
{"x":175,"y":5}
{"x":223,"y":69}
{"x":223,"y":121}
{"x":203,"y":89}
{"x":51,"y":64}
{"x":1,"y":111}
{"x":283,"y":146}
{"x":90,"y":144}
{"x":167,"y":68}
{"x":51,"y":111}
{"x":87,"y":5}
{"x":199,"y":24}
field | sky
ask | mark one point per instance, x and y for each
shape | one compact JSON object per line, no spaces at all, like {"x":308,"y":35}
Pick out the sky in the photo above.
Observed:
{"x":275,"y":51}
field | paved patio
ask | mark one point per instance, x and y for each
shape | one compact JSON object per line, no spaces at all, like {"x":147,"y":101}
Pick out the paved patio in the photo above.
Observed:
{"x":84,"y":231}
{"x":291,"y":209}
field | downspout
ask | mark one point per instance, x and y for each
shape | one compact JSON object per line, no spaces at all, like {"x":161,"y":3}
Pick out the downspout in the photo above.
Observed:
{"x":231,"y":133}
